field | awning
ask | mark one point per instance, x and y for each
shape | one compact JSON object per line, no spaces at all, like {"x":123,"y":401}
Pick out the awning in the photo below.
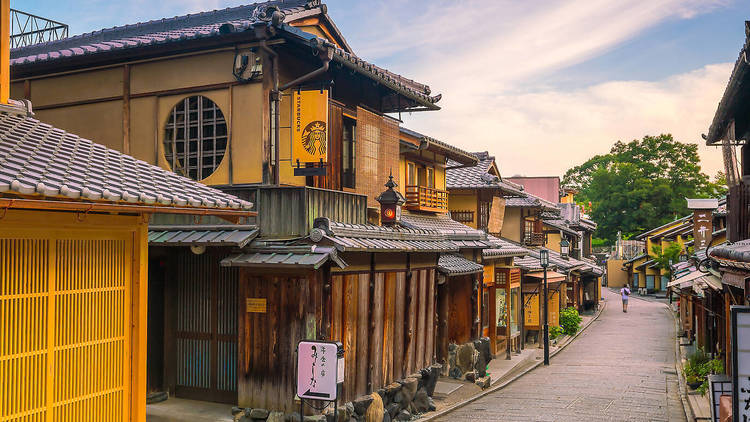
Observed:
{"x":697,"y":280}
{"x":455,"y":265}
{"x":552,"y":276}
{"x":224,"y":235}
{"x":295,"y":258}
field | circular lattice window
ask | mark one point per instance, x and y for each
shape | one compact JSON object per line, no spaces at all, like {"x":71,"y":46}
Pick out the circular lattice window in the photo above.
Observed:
{"x":195,"y":138}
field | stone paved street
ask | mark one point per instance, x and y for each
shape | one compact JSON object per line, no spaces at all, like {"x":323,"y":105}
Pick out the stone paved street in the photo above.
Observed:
{"x":620,"y":369}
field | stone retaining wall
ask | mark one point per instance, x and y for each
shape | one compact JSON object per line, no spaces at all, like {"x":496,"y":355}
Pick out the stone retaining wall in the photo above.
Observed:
{"x":398,"y":401}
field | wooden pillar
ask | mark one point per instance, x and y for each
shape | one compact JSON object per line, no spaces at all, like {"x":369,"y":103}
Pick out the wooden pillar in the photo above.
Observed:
{"x":126,"y":109}
{"x":430,"y":323}
{"x":363,"y":334}
{"x":443,"y":315}
{"x":412,"y":280}
{"x":421,"y":320}
{"x":508,"y":318}
{"x":398,"y":326}
{"x":727,"y":334}
{"x":492,"y":323}
{"x":376,"y":345}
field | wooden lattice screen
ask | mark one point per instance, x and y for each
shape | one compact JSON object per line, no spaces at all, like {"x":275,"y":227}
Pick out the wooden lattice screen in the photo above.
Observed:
{"x":377,"y":153}
{"x":64,"y":339}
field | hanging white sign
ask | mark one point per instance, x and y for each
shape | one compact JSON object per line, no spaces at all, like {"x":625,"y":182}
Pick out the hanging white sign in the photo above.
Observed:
{"x":317,"y":369}
{"x":741,"y":363}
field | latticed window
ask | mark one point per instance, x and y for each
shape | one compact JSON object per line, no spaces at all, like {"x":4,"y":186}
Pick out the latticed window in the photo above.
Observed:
{"x":195,"y":138}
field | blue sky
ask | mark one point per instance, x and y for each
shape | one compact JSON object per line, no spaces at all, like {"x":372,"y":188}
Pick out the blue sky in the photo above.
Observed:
{"x":542,"y":85}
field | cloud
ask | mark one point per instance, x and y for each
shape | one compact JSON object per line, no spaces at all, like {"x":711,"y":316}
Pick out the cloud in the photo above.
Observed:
{"x":547,"y":132}
{"x":499,"y":66}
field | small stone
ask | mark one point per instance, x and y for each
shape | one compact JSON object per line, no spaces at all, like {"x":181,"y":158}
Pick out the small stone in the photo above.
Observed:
{"x":315,"y":418}
{"x":398,"y":398}
{"x":258,"y":414}
{"x":393,"y":409}
{"x":421,"y":401}
{"x":275,"y":417}
{"x":470,"y":376}
{"x":455,"y":373}
{"x":375,"y":411}
{"x":483,"y":382}
{"x":386,"y":417}
{"x":293,"y":417}
{"x":408,"y":390}
{"x":361,"y":404}
{"x":403,"y":415}
{"x":349,"y":409}
{"x":237,"y":410}
{"x":431,"y":404}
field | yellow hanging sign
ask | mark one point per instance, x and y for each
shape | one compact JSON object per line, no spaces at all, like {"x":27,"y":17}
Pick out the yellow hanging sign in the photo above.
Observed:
{"x":310,"y":126}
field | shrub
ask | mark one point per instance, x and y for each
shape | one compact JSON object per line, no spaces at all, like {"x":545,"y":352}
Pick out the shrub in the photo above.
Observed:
{"x":570,"y":320}
{"x":699,"y":366}
{"x":554,"y":332}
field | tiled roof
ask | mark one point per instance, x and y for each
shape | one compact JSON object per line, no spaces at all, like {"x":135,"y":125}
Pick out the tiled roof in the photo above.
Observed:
{"x":502,"y":248}
{"x":289,"y":257}
{"x":371,"y":238}
{"x":196,"y":235}
{"x":454,"y":264}
{"x":561,"y":225}
{"x":636,"y":258}
{"x":452,"y":152}
{"x":735,"y":255}
{"x":443,"y":224}
{"x":210,"y":24}
{"x":478,"y":176}
{"x":41,"y":160}
{"x":528,"y":263}
{"x":531,"y":201}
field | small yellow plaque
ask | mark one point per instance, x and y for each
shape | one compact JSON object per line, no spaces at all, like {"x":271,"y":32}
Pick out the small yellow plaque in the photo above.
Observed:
{"x":256,"y":304}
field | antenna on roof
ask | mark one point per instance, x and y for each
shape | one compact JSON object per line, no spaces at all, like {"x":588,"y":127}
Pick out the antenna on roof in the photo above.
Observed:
{"x":27,"y":29}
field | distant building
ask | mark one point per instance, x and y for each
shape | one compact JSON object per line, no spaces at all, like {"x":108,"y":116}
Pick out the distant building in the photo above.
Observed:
{"x":545,"y":187}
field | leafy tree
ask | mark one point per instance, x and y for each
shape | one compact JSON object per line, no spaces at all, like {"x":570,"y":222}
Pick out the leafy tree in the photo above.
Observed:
{"x":641,"y":184}
{"x":663,"y":257}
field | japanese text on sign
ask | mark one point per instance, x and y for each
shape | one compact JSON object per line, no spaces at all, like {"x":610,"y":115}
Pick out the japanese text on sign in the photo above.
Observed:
{"x":741,"y":362}
{"x":317,"y":370}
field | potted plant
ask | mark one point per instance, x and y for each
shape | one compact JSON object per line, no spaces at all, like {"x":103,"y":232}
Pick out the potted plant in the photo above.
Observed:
{"x":693,"y":381}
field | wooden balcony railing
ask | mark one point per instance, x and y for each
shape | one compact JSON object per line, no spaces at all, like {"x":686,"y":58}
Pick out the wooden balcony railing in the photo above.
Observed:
{"x":422,"y":198}
{"x":533,"y":239}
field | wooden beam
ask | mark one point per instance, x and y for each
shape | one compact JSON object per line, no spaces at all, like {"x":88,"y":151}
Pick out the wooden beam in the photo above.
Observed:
{"x":398,"y":326}
{"x":421,"y":320}
{"x":126,"y":109}
{"x":430,"y":323}
{"x":350,"y":334}
{"x":45,"y":204}
{"x":412,"y":280}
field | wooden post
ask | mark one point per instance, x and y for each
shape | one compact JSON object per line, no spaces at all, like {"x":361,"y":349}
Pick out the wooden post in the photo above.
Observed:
{"x":351,"y":297}
{"x":126,"y":109}
{"x":430,"y":334}
{"x":507,"y":314}
{"x":376,"y":326}
{"x":419,"y":358}
{"x":363,"y":334}
{"x":388,"y":326}
{"x":411,"y":323}
{"x":4,"y":51}
{"x":398,"y":327}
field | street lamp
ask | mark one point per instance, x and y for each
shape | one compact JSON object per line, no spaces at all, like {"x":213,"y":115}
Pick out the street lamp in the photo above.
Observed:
{"x":564,"y":248}
{"x":544,"y":260}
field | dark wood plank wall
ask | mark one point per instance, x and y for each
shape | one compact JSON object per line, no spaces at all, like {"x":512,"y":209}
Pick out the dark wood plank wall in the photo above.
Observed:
{"x":375,"y":317}
{"x":461,"y":312}
{"x":268,"y":341}
{"x":332,"y":180}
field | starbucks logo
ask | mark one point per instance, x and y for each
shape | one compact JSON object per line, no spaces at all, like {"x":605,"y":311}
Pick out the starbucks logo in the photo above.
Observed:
{"x":314,"y":137}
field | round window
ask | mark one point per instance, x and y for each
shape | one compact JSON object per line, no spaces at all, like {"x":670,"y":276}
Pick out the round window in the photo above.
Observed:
{"x":195,"y":138}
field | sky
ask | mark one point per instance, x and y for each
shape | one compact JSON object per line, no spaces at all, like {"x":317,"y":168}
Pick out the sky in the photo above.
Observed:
{"x":542,"y":85}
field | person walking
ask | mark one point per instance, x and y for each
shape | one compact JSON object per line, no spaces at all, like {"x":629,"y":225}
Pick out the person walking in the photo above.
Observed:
{"x":625,"y":293}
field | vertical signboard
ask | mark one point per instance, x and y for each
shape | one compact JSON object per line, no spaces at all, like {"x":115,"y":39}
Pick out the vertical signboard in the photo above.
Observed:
{"x":740,"y":363}
{"x":317,"y":369}
{"x":702,"y":228}
{"x":310,"y":126}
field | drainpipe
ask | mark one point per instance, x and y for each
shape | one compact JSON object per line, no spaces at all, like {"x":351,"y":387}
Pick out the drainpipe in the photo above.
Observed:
{"x":276,"y":93}
{"x":276,"y":101}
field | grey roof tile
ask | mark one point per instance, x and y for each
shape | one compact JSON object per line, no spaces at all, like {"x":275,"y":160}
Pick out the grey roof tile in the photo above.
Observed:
{"x":39,"y":159}
{"x":228,"y":235}
{"x":452,"y":152}
{"x":454,"y":265}
{"x":368,"y":237}
{"x":207,"y":24}
{"x":478,"y":176}
{"x":502,"y":248}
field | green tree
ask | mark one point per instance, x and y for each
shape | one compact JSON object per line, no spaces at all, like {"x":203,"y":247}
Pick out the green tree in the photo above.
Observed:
{"x":664,"y":258}
{"x":641,"y":184}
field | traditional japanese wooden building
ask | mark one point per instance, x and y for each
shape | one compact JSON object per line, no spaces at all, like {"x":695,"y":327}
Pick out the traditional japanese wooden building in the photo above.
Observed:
{"x":222,"y":103}
{"x":73,"y":279}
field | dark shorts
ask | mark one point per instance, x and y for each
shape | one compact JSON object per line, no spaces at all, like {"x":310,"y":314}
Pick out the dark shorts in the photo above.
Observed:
{"x":624,"y":300}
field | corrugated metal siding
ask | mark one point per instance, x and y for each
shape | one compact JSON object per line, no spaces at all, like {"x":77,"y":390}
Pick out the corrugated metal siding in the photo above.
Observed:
{"x":289,"y":211}
{"x":65,"y":348}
